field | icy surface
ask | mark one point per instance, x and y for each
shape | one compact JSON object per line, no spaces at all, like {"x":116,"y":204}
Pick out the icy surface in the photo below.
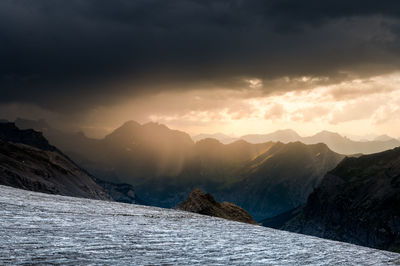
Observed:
{"x":40,"y":228}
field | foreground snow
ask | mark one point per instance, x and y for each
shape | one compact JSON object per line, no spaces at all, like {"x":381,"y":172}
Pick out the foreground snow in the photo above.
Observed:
{"x":40,"y":228}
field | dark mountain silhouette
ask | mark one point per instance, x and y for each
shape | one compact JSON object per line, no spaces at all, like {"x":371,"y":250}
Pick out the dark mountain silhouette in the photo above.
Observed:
{"x":202,"y":203}
{"x":285,"y":136}
{"x":137,"y":151}
{"x":384,"y":138}
{"x":164,"y":165}
{"x":40,"y":124}
{"x":224,"y":139}
{"x":281,"y":178}
{"x":9,"y":132}
{"x":265,"y":179}
{"x":357,"y":202}
{"x":29,"y":162}
{"x":335,"y":142}
{"x":347,"y":146}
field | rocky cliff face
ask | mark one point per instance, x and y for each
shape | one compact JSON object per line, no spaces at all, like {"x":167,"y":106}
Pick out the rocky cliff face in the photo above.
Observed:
{"x":357,"y":202}
{"x":202,"y":203}
{"x":29,"y":162}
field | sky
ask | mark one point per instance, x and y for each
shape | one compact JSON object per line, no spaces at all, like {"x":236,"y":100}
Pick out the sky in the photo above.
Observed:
{"x":236,"y":67}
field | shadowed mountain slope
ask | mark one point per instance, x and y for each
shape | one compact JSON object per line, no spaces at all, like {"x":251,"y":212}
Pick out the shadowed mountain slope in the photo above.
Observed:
{"x":281,"y":178}
{"x":29,"y":162}
{"x":357,"y":202}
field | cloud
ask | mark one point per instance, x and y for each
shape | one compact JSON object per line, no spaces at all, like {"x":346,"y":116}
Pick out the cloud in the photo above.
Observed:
{"x":73,"y":56}
{"x":276,"y":111}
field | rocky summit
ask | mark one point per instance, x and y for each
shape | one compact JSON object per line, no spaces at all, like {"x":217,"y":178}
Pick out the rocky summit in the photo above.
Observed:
{"x":204,"y":203}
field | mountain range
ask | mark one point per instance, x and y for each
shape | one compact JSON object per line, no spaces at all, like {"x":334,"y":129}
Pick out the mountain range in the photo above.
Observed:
{"x":165,"y":165}
{"x":335,"y":141}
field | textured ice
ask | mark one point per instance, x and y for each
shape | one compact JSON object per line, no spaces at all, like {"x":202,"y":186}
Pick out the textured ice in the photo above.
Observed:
{"x":48,"y":229}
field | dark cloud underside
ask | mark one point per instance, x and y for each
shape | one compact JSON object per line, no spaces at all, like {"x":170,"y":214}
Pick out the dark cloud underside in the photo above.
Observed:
{"x":72,"y":55}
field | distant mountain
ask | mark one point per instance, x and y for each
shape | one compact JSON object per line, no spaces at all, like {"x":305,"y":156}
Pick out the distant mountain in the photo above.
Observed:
{"x":384,"y":138}
{"x":225,"y":139}
{"x":40,"y":125}
{"x":143,"y":151}
{"x":285,"y":136}
{"x":357,"y":202}
{"x":281,"y":178}
{"x":347,"y":146}
{"x":29,"y":162}
{"x":9,"y":132}
{"x":132,"y":151}
{"x":335,"y":142}
{"x":265,"y":179}
{"x":202,"y":203}
{"x":65,"y":141}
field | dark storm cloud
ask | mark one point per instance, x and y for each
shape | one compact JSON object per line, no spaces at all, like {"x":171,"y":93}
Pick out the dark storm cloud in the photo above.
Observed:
{"x":69,"y":55}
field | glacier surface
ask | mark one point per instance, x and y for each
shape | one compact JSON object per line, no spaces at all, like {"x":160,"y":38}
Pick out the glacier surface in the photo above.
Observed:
{"x":38,"y":228}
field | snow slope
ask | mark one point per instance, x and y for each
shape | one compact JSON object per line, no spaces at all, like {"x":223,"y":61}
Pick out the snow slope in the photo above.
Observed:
{"x":41,"y":228}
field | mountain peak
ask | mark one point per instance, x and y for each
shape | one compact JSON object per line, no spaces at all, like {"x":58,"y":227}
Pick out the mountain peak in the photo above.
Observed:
{"x":208,"y":141}
{"x":40,"y":124}
{"x":384,"y":138}
{"x":287,"y":131}
{"x":125,"y":131}
{"x":130,"y":124}
{"x":328,"y":133}
{"x":155,"y":125}
{"x":223,"y":138}
{"x":283,"y":135}
{"x":10,"y":132}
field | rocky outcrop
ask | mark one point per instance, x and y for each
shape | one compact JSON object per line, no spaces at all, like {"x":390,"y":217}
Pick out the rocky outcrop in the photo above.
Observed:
{"x":357,"y":202}
{"x":28,"y":161}
{"x":202,"y":203}
{"x":120,"y":192}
